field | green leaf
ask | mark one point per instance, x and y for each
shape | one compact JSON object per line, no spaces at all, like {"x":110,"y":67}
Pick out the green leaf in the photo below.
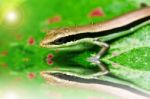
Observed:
{"x":129,"y":58}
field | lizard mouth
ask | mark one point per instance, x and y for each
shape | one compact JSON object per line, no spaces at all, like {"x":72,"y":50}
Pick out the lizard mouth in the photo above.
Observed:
{"x":72,"y":38}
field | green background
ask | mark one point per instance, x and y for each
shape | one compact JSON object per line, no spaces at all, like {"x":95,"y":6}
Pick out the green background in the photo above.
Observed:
{"x":21,"y":62}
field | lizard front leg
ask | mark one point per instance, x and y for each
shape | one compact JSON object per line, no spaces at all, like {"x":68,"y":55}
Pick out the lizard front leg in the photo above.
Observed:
{"x":95,"y":59}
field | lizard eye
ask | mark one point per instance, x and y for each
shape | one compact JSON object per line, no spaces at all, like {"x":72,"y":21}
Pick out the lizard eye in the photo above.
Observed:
{"x":59,"y":41}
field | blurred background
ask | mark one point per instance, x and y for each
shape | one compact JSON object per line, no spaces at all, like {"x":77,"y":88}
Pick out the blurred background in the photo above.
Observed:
{"x":23,"y":24}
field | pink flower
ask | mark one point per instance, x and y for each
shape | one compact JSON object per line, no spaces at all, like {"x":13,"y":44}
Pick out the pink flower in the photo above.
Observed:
{"x":31,"y":75}
{"x":54,"y":19}
{"x":49,"y":59}
{"x":31,"y":41}
{"x":97,"y":12}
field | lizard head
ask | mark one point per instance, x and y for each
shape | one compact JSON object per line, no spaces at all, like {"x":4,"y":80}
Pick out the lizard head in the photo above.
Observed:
{"x":57,"y":37}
